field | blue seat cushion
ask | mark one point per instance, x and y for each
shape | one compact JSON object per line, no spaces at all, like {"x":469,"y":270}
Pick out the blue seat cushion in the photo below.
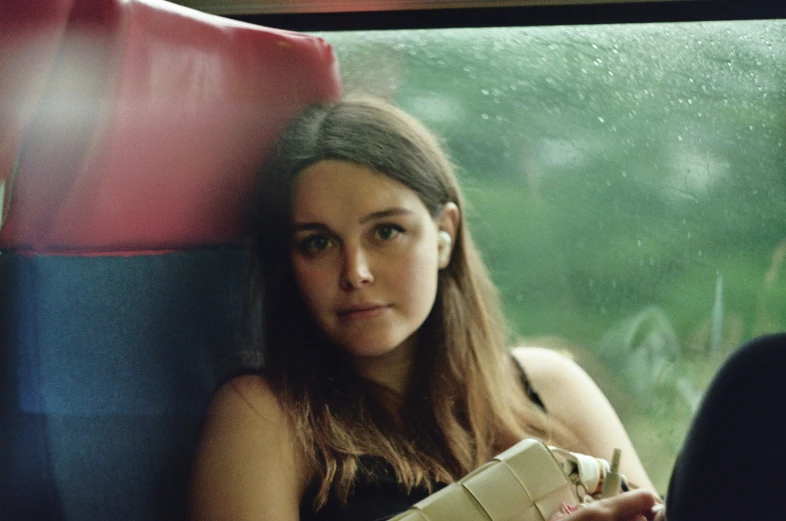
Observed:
{"x":107,"y":364}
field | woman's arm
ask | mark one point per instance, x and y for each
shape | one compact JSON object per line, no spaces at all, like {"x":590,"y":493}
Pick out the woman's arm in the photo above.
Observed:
{"x":574,"y":399}
{"x":247,"y":466}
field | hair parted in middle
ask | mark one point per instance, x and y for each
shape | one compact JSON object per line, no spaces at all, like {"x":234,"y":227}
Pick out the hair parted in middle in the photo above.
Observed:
{"x":466,"y":401}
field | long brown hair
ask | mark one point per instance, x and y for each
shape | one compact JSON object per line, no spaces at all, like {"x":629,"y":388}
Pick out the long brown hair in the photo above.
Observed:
{"x":466,"y":402}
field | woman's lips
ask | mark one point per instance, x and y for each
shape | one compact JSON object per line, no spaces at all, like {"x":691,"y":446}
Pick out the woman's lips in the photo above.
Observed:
{"x":363,"y":311}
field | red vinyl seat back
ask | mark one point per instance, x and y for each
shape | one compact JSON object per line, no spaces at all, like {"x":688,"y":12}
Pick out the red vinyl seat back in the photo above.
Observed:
{"x":131,"y":134}
{"x":152,"y":120}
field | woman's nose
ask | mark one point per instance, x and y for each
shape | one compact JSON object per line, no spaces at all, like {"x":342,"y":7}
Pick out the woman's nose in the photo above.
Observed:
{"x":356,"y":272}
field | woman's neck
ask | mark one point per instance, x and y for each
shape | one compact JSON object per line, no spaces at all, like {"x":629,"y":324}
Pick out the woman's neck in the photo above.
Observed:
{"x":392,"y":370}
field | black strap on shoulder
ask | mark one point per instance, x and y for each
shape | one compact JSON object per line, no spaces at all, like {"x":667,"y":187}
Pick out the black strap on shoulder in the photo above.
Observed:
{"x":527,"y":385}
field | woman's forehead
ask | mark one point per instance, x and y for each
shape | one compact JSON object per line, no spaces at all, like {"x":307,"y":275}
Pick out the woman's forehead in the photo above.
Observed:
{"x":340,"y":189}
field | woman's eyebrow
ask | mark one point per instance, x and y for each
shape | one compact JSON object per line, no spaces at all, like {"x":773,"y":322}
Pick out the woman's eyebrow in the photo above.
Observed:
{"x":317,"y":226}
{"x":309,"y":226}
{"x":390,"y":212}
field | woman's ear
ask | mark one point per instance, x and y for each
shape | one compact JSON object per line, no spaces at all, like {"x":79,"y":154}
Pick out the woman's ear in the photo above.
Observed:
{"x":448,"y":223}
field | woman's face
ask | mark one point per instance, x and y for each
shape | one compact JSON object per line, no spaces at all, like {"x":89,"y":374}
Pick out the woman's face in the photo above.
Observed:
{"x":364,"y":253}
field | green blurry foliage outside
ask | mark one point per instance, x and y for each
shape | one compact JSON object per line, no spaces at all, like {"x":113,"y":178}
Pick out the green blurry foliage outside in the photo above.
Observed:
{"x":627,"y":187}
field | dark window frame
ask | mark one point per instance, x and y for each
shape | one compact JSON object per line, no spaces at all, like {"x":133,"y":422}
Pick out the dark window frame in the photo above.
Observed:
{"x":578,"y":13}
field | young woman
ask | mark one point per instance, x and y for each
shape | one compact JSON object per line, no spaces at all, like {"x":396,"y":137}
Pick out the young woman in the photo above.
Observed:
{"x":386,"y":371}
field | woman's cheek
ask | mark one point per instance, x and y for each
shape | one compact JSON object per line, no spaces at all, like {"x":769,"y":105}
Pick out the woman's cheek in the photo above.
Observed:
{"x":422,"y":273}
{"x":310,"y":279}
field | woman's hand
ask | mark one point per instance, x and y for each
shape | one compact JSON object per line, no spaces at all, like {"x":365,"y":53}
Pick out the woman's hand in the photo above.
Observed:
{"x":638,"y":505}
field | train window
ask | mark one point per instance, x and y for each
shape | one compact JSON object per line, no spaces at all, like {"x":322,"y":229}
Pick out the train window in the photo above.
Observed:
{"x":626,"y":185}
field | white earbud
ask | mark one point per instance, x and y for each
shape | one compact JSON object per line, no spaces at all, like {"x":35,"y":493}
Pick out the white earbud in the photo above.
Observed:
{"x":444,"y":242}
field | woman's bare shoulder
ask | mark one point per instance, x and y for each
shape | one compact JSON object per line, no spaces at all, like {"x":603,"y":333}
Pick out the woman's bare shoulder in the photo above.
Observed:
{"x":537,"y":352}
{"x":251,"y":391}
{"x":248,"y":464}
{"x":562,"y":384}
{"x":545,"y":364}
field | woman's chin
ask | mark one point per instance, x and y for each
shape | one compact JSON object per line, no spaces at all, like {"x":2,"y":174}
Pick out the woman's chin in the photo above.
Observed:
{"x":375,"y":347}
{"x":368,"y":350}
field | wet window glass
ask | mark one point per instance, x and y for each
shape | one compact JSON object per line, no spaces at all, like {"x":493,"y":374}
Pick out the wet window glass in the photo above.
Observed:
{"x":627,"y":187}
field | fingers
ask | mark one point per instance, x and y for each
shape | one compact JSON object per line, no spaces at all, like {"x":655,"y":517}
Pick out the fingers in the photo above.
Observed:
{"x":629,"y":506}
{"x":625,"y":506}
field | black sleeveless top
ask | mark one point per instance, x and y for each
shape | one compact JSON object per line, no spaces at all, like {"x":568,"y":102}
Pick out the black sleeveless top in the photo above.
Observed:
{"x":377,"y":495}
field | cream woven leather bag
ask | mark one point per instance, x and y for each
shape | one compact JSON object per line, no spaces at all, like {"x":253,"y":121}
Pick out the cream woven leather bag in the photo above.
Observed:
{"x":528,"y":482}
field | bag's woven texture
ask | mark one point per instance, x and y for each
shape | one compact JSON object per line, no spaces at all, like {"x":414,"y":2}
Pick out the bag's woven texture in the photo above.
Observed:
{"x":524,"y":483}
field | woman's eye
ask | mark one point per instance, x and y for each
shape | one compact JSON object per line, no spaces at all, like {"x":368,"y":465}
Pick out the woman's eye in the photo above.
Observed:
{"x":315,"y":244}
{"x":387,"y":232}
